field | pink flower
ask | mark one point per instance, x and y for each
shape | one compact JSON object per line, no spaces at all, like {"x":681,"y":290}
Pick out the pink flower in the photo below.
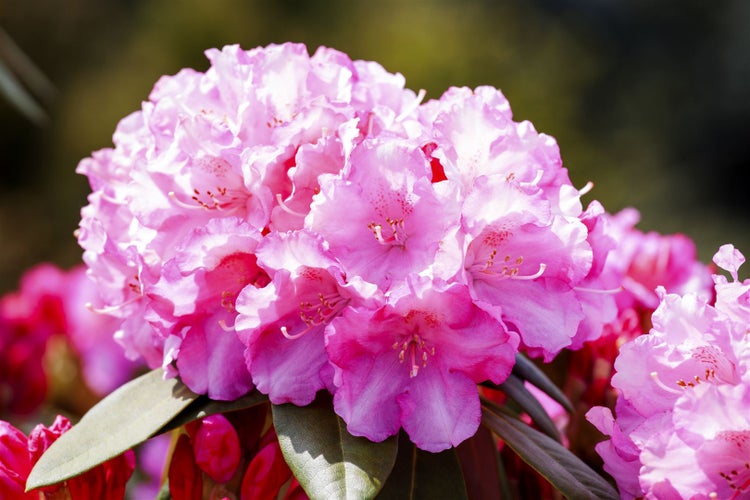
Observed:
{"x":282,"y":324}
{"x":414,"y":362}
{"x":193,"y":304}
{"x":382,"y":217}
{"x":681,"y":420}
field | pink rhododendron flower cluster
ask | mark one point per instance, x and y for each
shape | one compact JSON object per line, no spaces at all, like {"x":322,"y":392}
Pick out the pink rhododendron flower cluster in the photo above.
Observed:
{"x":297,"y":223}
{"x":682,"y":428}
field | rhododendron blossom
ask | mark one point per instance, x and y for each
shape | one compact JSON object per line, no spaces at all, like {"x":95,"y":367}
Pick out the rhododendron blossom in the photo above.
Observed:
{"x":415,"y":363}
{"x":681,"y":424}
{"x":298,"y":223}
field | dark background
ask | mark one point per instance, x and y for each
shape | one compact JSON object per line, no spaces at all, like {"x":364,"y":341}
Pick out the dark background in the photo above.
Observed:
{"x":649,"y":100}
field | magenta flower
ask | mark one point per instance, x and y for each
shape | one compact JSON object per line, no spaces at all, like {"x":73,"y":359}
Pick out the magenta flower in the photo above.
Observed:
{"x":415,"y":362}
{"x":382,"y":217}
{"x":282,"y":324}
{"x":193,"y":305}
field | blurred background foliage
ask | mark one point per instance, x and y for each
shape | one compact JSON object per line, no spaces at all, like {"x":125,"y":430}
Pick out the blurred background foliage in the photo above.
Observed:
{"x":649,"y":100}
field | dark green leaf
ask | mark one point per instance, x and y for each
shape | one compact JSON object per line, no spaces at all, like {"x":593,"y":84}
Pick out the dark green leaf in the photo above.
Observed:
{"x":525,"y":369}
{"x":127,"y":417}
{"x":328,"y":462}
{"x":479,"y":461}
{"x":421,"y":475}
{"x":203,"y":407}
{"x":566,"y":472}
{"x":514,"y":388}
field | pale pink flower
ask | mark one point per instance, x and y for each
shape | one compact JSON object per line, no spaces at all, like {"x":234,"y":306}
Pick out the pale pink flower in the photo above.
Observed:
{"x":193,"y":304}
{"x":382,"y":218}
{"x":282,"y":324}
{"x":683,"y":398}
{"x":527,"y":264}
{"x":414,"y":363}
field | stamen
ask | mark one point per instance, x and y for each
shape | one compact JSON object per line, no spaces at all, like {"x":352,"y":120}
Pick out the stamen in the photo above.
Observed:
{"x":225,"y":327}
{"x":585,"y":189}
{"x":598,"y":290}
{"x":419,"y":353}
{"x":534,"y":276}
{"x":657,"y":380}
{"x":182,"y":204}
{"x":412,"y":106}
{"x":538,"y":177}
{"x":295,"y":336}
{"x":286,"y":208}
{"x":328,"y":307}
{"x":112,"y":200}
{"x":110,"y":309}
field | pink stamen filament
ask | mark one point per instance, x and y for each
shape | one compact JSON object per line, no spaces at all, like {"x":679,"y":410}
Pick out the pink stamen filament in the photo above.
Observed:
{"x":657,"y":380}
{"x":398,"y":236}
{"x":329,"y":307}
{"x":508,"y":270}
{"x":585,"y":189}
{"x":223,"y":325}
{"x":418,"y":353}
{"x":286,"y":208}
{"x":412,"y":106}
{"x":109,"y":309}
{"x":214,"y":204}
{"x":598,"y":290}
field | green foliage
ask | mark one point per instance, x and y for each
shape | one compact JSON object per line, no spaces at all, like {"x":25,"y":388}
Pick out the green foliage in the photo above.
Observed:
{"x":566,"y":472}
{"x":421,"y":475}
{"x":328,"y":462}
{"x":326,"y":459}
{"x":127,"y":417}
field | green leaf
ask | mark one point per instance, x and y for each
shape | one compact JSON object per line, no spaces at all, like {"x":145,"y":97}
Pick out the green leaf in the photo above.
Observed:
{"x":328,"y":462}
{"x":203,"y":407}
{"x":566,"y":472}
{"x":421,"y":475}
{"x":525,"y":369}
{"x":127,"y":417}
{"x":514,"y":388}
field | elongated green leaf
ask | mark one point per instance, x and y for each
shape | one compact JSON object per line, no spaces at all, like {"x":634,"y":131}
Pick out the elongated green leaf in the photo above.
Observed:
{"x":514,"y":388}
{"x":525,"y":369}
{"x":203,"y":407}
{"x":421,"y":475}
{"x":566,"y":472}
{"x":127,"y":417}
{"x":328,"y":462}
